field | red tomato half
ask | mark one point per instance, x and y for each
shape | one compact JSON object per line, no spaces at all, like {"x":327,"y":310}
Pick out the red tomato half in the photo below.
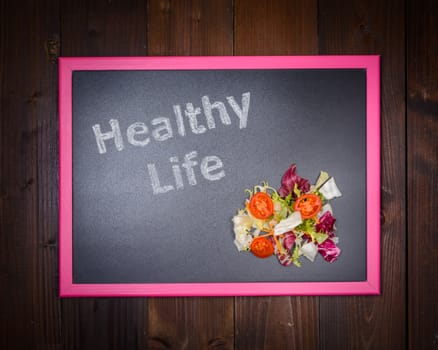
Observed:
{"x":262,"y":247}
{"x":261,"y":206}
{"x":308,"y":205}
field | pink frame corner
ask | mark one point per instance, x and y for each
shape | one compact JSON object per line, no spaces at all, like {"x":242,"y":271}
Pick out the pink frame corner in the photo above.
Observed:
{"x":368,"y":287}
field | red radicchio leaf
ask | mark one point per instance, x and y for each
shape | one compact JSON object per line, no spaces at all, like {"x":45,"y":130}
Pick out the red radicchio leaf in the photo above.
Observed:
{"x":307,"y":238}
{"x":288,"y":181}
{"x":288,"y":240}
{"x":284,"y":259}
{"x":329,"y":250}
{"x":326,"y":224}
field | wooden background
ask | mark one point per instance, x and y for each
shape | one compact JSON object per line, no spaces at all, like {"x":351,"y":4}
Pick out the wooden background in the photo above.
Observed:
{"x":35,"y":33}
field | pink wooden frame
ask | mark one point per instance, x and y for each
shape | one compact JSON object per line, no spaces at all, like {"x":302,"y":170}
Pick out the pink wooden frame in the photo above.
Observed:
{"x":372,"y":283}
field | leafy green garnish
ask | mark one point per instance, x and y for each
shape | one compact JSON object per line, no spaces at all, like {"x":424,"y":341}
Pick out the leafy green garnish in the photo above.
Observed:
{"x":296,"y":256}
{"x":297,"y":191}
{"x":308,"y":226}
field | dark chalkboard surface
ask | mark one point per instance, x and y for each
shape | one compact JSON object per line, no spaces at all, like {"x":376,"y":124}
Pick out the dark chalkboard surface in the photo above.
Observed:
{"x":160,"y":160}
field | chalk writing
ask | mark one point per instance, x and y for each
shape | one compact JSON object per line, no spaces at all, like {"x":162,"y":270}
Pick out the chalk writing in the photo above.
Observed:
{"x":137,"y":134}
{"x":160,"y":129}
{"x":211,"y":168}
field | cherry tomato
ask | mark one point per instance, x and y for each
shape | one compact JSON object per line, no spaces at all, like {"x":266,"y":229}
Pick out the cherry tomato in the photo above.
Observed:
{"x":261,"y":206}
{"x":262,"y":247}
{"x":308,"y":205}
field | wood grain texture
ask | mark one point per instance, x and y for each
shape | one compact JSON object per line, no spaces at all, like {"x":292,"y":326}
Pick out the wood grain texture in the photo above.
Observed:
{"x":276,"y":28}
{"x":28,"y":202}
{"x":190,"y":28}
{"x":422,"y":151}
{"x":104,"y":28}
{"x":374,"y":27}
{"x":279,"y":27}
{"x":191,"y":323}
{"x":276,"y":323}
{"x":104,"y":323}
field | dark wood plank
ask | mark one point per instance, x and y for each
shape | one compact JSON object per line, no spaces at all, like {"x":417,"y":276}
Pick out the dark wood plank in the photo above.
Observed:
{"x":28,"y":174}
{"x":276,"y":28}
{"x":191,"y":323}
{"x":374,"y":27}
{"x":190,"y":28}
{"x":104,"y":28}
{"x":104,"y":323}
{"x":422,"y":147}
{"x":276,"y":323}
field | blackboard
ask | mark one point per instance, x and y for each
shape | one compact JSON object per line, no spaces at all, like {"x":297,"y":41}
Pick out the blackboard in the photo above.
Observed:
{"x":156,"y":154}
